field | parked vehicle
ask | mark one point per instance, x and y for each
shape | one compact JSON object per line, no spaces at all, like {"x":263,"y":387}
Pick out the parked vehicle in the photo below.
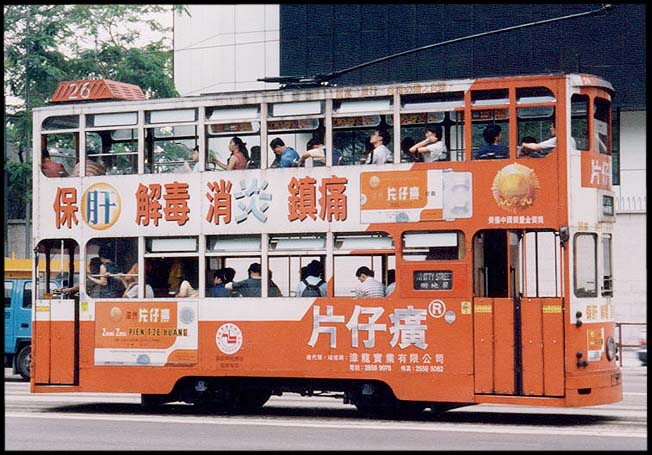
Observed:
{"x":642,"y":350}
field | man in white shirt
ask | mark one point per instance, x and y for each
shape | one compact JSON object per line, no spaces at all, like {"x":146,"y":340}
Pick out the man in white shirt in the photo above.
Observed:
{"x":432,"y":147}
{"x":315,"y":155}
{"x":369,"y":287}
{"x":380,"y":154}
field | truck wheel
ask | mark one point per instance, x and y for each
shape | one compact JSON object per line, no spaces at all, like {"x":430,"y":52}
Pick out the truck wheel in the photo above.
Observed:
{"x":23,"y":362}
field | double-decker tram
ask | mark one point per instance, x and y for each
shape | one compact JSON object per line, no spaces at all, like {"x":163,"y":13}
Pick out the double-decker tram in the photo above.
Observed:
{"x":217,"y":270}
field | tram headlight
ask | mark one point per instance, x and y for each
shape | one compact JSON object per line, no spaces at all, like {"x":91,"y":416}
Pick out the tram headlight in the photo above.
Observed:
{"x":611,"y":348}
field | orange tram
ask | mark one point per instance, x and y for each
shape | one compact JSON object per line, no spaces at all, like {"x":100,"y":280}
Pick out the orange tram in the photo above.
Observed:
{"x":496,"y":268}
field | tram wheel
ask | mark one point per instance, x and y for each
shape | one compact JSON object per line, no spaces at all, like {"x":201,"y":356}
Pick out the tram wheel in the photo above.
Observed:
{"x":252,"y":399}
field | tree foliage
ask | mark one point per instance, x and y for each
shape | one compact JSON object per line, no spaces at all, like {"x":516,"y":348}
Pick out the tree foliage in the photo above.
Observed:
{"x":47,"y":44}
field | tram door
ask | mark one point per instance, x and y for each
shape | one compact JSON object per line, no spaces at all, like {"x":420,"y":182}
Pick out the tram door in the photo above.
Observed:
{"x":55,"y":331}
{"x":517,"y":310}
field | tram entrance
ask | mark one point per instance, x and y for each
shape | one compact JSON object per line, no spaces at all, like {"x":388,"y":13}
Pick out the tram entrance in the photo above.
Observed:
{"x":518,"y":317}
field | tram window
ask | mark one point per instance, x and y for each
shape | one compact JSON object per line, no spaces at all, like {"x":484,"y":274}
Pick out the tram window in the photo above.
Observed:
{"x":489,"y":97}
{"x":607,"y":271}
{"x":433,"y":246}
{"x":62,"y":148}
{"x":295,"y":133}
{"x":585,"y":266}
{"x":601,"y":126}
{"x":529,"y":95}
{"x":534,"y":126}
{"x":229,"y":122}
{"x":118,"y":256}
{"x":345,"y":282}
{"x":113,"y":119}
{"x":579,"y":121}
{"x":169,"y":261}
{"x":111,"y":152}
{"x":482,"y":119}
{"x":58,"y":259}
{"x":541,"y":267}
{"x":290,"y":254}
{"x":171,"y":116}
{"x":351,"y":136}
{"x":63,"y":122}
{"x":219,"y":150}
{"x":169,"y":148}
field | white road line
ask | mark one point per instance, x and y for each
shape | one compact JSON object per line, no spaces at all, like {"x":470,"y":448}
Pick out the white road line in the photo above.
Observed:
{"x":393,"y":426}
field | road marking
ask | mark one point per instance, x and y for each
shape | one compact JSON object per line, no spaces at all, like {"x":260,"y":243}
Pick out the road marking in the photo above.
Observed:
{"x":455,"y":427}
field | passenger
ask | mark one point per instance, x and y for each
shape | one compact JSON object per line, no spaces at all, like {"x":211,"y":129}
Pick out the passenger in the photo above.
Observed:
{"x":493,"y":149}
{"x":432,"y":148}
{"x":108,"y":282}
{"x":93,"y":167}
{"x":51,"y":168}
{"x":130,"y":282}
{"x":188,"y":287}
{"x":525,"y":151}
{"x":254,"y":159}
{"x":272,"y":289}
{"x":285,"y":156}
{"x":391,"y":282}
{"x":239,"y":155}
{"x":380,"y":154}
{"x":369,"y":287}
{"x":251,"y":286}
{"x":541,"y":149}
{"x":315,"y":154}
{"x":406,"y":154}
{"x":219,"y":281}
{"x":194,"y":166}
{"x":312,"y":284}
{"x":92,"y":289}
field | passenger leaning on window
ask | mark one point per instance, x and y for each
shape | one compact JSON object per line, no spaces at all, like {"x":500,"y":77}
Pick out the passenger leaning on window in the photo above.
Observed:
{"x":432,"y":148}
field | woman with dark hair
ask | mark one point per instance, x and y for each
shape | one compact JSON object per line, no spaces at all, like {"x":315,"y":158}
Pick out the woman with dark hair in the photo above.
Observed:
{"x":239,"y":155}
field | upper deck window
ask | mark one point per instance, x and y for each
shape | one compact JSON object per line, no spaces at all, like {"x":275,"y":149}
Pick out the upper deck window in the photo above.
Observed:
{"x":361,"y":106}
{"x":229,"y":114}
{"x":64,"y":122}
{"x":532,"y":95}
{"x":489,"y":97}
{"x":579,"y":121}
{"x":115,"y":119}
{"x":601,"y":124}
{"x":172,"y":116}
{"x":420,"y":246}
{"x":171,"y":244}
{"x":432,"y":103}
{"x":299,"y":108}
{"x":367,"y":241}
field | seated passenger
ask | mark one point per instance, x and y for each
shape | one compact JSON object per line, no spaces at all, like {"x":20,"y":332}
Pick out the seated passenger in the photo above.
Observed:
{"x":239,"y":155}
{"x":130,"y":282}
{"x":93,"y":167}
{"x":315,"y":154}
{"x":51,"y":168}
{"x":432,"y":148}
{"x":312,"y":284}
{"x":285,"y":156}
{"x":493,"y":149}
{"x":194,"y":166}
{"x":541,"y":149}
{"x":380,"y":154}
{"x":369,"y":287}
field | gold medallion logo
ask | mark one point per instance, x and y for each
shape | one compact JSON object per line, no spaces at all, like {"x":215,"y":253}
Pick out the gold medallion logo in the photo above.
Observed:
{"x":515,"y":187}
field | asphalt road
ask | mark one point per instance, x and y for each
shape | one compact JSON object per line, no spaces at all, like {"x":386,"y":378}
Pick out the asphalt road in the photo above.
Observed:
{"x":291,"y":422}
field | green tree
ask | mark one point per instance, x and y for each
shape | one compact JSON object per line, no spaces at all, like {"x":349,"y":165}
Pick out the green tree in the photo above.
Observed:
{"x":47,"y":44}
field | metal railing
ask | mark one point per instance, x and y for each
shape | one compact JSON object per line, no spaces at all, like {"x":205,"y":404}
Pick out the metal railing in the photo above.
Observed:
{"x":620,"y":345}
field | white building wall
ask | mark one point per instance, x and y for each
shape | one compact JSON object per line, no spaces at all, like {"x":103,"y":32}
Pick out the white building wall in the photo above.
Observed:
{"x":225,"y":48}
{"x":630,"y":240}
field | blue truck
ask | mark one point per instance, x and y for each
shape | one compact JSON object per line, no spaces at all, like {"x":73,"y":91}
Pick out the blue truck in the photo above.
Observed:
{"x":18,"y":325}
